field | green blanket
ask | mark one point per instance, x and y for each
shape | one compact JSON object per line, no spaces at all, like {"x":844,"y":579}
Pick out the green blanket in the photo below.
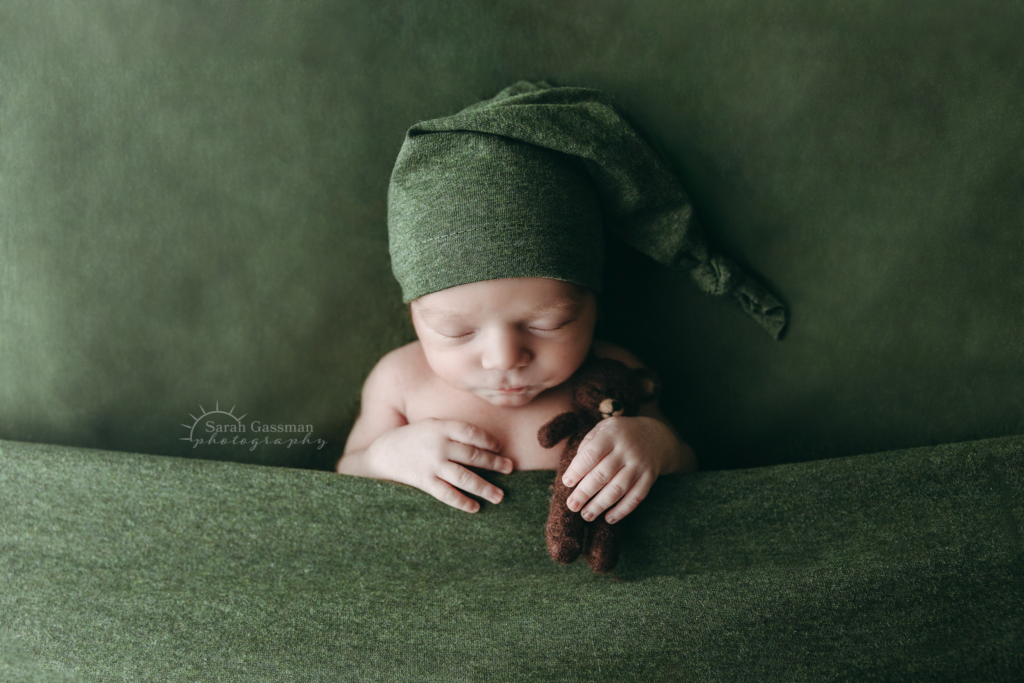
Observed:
{"x":894,"y":566}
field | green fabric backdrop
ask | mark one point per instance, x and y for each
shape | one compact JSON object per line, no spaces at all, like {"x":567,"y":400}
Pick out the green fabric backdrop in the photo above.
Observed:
{"x":192,"y":209}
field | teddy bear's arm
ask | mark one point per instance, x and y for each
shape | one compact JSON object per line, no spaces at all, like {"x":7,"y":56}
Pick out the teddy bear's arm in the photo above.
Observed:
{"x":557,"y":429}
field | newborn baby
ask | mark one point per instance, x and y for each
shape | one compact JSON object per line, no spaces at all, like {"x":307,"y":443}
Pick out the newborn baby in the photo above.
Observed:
{"x":496,"y":220}
{"x":488,"y":370}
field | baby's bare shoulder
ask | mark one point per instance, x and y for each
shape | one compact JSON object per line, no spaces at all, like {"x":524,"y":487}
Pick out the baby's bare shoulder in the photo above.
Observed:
{"x":382,"y":404}
{"x":404,"y":357}
{"x":398,"y":368}
{"x":384,"y":395}
{"x":603,"y":349}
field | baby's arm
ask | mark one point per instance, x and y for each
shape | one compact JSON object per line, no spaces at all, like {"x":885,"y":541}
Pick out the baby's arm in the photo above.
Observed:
{"x":622,"y":457}
{"x":428,"y":454}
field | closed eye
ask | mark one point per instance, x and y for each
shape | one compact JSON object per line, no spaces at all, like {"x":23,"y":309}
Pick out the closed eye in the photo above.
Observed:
{"x":456,"y":336}
{"x":550,"y":328}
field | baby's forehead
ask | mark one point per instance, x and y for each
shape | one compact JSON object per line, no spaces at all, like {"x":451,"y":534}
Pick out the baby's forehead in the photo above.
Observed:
{"x":527,"y":309}
{"x":526,"y":298}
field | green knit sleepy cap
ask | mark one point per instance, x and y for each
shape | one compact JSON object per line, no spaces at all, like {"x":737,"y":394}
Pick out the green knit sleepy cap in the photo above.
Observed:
{"x":524,"y":184}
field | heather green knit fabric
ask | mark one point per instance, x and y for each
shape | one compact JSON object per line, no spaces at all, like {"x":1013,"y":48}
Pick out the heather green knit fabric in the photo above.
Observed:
{"x":899,"y":566}
{"x":518,"y":185}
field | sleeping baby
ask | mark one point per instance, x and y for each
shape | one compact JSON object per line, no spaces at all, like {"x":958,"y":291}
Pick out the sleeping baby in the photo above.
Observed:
{"x":496,"y":220}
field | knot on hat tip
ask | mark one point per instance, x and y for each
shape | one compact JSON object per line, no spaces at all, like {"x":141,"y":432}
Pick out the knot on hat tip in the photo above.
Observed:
{"x":716,"y":275}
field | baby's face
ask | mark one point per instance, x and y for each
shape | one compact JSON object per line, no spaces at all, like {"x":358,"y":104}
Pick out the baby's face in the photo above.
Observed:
{"x":506,"y":340}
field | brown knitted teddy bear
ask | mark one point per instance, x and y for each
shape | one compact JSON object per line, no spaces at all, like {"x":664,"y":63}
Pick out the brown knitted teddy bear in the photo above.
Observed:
{"x":601,"y":388}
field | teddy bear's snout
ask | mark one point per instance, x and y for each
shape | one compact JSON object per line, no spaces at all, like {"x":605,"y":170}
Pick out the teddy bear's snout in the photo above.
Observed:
{"x":610,"y":408}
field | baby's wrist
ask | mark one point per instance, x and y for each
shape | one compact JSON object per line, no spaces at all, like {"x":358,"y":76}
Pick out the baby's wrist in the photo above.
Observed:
{"x":671,"y":449}
{"x":681,"y":458}
{"x":357,"y":463}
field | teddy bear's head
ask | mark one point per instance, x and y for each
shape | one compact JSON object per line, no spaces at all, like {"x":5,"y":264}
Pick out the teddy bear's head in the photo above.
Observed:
{"x":607,"y":388}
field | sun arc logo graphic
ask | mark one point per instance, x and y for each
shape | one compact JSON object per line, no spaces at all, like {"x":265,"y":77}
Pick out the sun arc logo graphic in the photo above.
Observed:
{"x":206,"y":413}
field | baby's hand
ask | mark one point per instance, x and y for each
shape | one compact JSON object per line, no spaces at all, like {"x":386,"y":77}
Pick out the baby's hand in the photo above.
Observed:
{"x":619,"y":460}
{"x":430,"y":454}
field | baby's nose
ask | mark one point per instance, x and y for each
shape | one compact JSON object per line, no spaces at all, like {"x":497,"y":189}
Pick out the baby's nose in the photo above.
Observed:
{"x":505,"y":351}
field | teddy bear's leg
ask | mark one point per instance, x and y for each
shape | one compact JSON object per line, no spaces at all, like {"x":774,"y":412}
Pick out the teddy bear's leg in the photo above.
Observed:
{"x":603,"y":552}
{"x":564,"y":528}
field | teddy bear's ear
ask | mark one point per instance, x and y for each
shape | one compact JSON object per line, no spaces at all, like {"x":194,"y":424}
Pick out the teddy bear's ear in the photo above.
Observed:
{"x":650,"y":382}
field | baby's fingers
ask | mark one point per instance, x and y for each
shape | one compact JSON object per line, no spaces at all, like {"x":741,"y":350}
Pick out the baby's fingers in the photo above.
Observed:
{"x":629,"y":502}
{"x":453,"y":477}
{"x":475,"y":456}
{"x":471,"y":435}
{"x":595,"y":446}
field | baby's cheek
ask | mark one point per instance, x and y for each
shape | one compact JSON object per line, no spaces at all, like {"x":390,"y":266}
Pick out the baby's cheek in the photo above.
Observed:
{"x":451,"y":372}
{"x":566,"y":366}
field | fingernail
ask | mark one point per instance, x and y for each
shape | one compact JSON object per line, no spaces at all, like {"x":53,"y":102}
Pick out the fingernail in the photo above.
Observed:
{"x":568,"y":481}
{"x":496,"y":498}
{"x":588,"y":516}
{"x":611,"y":520}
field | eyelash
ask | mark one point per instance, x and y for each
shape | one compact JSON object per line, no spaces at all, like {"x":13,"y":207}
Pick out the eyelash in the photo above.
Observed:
{"x":541,"y":329}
